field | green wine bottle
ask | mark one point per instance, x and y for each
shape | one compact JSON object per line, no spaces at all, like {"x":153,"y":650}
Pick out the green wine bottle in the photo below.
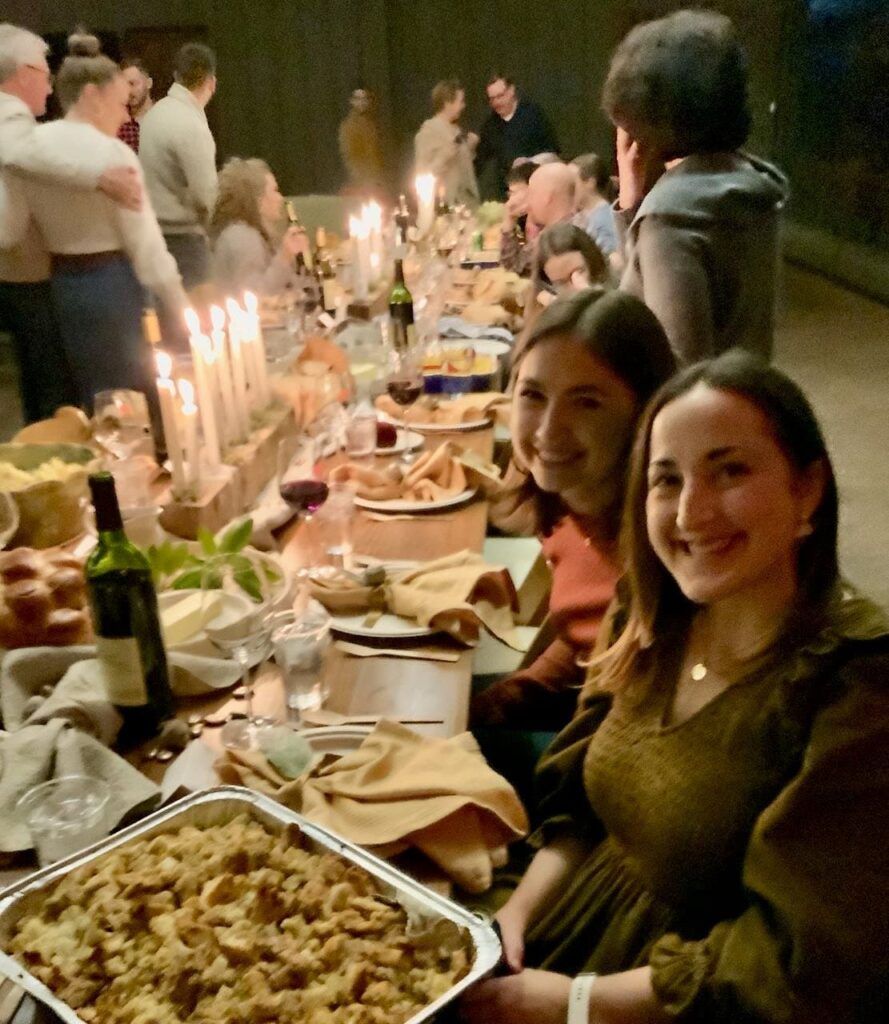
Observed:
{"x":401,"y":312}
{"x":129,"y":644}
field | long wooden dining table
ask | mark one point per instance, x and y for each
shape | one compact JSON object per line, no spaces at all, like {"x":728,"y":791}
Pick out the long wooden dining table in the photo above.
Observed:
{"x":430,"y":696}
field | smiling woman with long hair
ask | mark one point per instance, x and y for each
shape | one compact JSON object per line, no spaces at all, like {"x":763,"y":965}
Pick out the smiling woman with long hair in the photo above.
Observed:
{"x":713,"y":818}
{"x":581,"y":377}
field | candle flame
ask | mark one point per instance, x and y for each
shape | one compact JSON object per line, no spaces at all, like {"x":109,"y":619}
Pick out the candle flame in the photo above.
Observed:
{"x":234,"y":310}
{"x":358,"y":227}
{"x":186,"y":393}
{"x":164,"y":363}
{"x":217,"y":317}
{"x":250,"y":303}
{"x":192,"y":321}
{"x":374,"y":215}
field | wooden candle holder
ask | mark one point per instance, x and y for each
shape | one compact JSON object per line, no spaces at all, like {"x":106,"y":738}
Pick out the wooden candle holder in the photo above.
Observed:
{"x":249,"y":467}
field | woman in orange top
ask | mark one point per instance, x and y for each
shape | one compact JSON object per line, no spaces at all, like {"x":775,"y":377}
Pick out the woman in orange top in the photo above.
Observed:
{"x":581,"y":377}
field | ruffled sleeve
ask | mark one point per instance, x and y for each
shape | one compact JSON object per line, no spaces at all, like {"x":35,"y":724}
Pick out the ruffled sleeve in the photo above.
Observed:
{"x":813,"y":944}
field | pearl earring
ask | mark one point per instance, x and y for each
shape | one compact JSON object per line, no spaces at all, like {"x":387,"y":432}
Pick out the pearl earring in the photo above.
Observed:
{"x":805,"y":530}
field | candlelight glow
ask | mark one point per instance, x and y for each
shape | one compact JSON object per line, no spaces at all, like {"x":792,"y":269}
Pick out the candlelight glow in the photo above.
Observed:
{"x":374,"y":216}
{"x":358,"y":227}
{"x":164,"y":363}
{"x":192,"y":322}
{"x":250,"y":303}
{"x":234,"y":310}
{"x":425,"y":186}
{"x":206,"y":348}
{"x":217,"y":317}
{"x":186,"y":393}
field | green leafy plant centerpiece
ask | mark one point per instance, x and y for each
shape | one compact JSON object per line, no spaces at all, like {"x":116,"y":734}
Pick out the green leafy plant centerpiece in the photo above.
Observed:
{"x":183,"y":566}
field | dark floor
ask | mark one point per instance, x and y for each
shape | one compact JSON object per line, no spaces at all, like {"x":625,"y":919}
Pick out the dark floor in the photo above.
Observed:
{"x":836,"y":344}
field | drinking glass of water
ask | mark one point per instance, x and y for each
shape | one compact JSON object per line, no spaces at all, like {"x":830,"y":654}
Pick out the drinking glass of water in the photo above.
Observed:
{"x":300,"y":643}
{"x":65,"y":815}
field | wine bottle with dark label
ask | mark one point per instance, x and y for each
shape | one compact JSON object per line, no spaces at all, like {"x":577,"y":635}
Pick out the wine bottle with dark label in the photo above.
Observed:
{"x":401,"y":312}
{"x":129,"y":643}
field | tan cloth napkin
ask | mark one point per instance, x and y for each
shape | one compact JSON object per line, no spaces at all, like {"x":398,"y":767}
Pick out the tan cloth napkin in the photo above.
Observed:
{"x":401,"y":790}
{"x":457,"y":594}
{"x":435,"y":475}
{"x":445,"y":411}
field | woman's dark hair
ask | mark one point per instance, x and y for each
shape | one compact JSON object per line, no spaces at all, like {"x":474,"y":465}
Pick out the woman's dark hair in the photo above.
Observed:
{"x":592,"y":167}
{"x":521,"y":172}
{"x":85,"y":65}
{"x":656,"y":605}
{"x":558,"y":239}
{"x":685,"y":76}
{"x":627,"y":337}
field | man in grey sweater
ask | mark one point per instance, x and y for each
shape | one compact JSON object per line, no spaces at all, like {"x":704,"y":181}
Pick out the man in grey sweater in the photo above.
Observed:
{"x":178,"y":155}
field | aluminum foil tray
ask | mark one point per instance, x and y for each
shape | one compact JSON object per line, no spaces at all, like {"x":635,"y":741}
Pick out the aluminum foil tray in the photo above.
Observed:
{"x":217,"y":807}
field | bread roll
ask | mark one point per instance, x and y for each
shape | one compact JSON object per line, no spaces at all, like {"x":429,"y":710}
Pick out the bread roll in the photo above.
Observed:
{"x":19,"y":564}
{"x":29,"y":601}
{"x":65,"y":626}
{"x":68,"y":588}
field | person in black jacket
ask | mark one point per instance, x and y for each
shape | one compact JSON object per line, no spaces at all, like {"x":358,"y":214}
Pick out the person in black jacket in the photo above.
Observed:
{"x":516,"y":127}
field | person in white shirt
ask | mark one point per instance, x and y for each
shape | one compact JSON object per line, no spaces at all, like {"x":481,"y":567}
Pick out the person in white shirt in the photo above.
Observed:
{"x":442,"y":148}
{"x":103,"y":257}
{"x":178,"y":155}
{"x":26,"y":308}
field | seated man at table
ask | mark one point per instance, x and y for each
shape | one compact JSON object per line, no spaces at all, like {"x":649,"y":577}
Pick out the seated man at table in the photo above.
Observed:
{"x":549,"y":200}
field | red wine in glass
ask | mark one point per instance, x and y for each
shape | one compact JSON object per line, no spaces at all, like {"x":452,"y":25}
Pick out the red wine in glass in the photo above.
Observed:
{"x":404,"y":391}
{"x":304,"y":496}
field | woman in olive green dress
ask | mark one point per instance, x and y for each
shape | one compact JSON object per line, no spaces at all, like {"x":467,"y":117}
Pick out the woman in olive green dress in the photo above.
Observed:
{"x":715,"y":818}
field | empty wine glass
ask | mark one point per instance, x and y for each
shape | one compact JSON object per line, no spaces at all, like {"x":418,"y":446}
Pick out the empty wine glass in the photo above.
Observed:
{"x":405,"y":385}
{"x":121,"y":422}
{"x":237,"y":619}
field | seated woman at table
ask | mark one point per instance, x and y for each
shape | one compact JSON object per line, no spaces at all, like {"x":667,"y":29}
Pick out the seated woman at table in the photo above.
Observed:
{"x":581,"y":377}
{"x":566,"y":260}
{"x":710,"y":817}
{"x":243,"y":226}
{"x":594,"y":211}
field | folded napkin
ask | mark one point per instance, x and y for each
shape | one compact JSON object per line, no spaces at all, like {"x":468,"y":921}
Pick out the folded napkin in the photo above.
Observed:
{"x":457,"y":594}
{"x":435,"y":475}
{"x":402,"y":790}
{"x":457,"y":327}
{"x":40,"y":752}
{"x":445,"y":411}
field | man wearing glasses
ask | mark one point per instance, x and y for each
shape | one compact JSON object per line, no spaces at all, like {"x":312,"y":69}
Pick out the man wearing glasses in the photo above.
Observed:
{"x":516,"y":127}
{"x":26,"y":310}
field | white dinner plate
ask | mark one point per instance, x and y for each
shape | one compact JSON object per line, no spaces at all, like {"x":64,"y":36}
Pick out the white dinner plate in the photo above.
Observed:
{"x":445,"y":428}
{"x":400,"y":505}
{"x":387,"y":627}
{"x":405,"y":440}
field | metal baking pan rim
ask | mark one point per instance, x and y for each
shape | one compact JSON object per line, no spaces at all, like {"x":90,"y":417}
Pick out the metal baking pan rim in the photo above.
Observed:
{"x":485,"y":942}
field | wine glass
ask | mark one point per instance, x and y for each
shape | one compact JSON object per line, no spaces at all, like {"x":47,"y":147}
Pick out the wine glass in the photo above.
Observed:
{"x":237,"y":619}
{"x":298,"y":481}
{"x":405,"y":385}
{"x":121,"y":422}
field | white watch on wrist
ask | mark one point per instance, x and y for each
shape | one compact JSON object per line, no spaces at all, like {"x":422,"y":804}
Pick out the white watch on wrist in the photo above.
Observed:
{"x":579,"y":999}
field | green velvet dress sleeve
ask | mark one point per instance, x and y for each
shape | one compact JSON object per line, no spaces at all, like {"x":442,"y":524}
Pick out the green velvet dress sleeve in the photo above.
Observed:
{"x":813,"y":944}
{"x":562,"y":804}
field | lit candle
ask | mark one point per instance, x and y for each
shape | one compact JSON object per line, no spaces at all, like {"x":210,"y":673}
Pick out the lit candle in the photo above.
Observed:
{"x":374,"y":217}
{"x":425,"y":186}
{"x":254,"y":328}
{"x":189,"y":418}
{"x":358,"y":231}
{"x":228,"y":417}
{"x":166,"y":392}
{"x":239,"y":375}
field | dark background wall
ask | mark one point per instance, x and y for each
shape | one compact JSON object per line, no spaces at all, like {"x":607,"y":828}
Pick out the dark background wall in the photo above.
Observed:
{"x":819,"y":78}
